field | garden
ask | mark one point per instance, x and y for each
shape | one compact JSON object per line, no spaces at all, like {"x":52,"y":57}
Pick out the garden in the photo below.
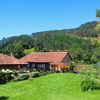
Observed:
{"x":51,"y":86}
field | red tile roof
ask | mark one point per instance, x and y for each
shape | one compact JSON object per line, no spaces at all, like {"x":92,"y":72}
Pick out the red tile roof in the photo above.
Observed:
{"x":45,"y":57}
{"x":8,"y":60}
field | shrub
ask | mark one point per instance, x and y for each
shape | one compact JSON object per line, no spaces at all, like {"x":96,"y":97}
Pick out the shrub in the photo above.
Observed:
{"x":91,"y":79}
{"x":43,"y":73}
{"x":88,"y":70}
{"x":3,"y":78}
{"x":90,"y":84}
{"x":21,"y":77}
{"x":35,"y":74}
{"x":6,"y":77}
{"x":24,"y":76}
{"x":23,"y":71}
{"x":72,"y":65}
{"x":10,"y":76}
{"x":16,"y":79}
{"x":97,"y":66}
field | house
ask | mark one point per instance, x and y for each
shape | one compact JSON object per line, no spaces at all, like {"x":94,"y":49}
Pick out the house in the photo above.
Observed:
{"x":47,"y":60}
{"x":9,"y":62}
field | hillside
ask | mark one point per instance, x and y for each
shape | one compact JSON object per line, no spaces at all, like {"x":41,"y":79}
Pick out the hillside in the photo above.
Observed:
{"x":72,"y":40}
{"x":84,"y":30}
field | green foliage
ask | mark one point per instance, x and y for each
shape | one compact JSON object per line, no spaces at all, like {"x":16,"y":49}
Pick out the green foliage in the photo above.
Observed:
{"x":28,"y":51}
{"x":98,"y":24}
{"x":16,"y":45}
{"x":91,"y":79}
{"x":88,"y":30}
{"x":97,"y":28}
{"x":26,"y":75}
{"x":5,"y":77}
{"x":97,"y":66}
{"x":22,"y":76}
{"x":98,"y":13}
{"x":90,"y":84}
{"x":72,"y":65}
{"x":35,"y":74}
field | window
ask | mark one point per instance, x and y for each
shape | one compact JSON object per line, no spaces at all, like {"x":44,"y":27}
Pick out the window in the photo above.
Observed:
{"x":41,"y":66}
{"x":33,"y":66}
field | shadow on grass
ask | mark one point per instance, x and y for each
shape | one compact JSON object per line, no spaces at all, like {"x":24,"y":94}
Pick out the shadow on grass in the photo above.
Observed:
{"x":4,"y":97}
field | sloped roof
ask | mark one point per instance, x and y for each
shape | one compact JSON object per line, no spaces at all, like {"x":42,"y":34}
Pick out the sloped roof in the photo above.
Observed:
{"x":45,"y":57}
{"x":8,"y":60}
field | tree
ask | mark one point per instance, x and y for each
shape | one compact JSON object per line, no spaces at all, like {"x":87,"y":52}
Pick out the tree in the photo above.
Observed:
{"x":98,"y":27}
{"x":98,"y":13}
{"x":28,"y":51}
{"x":98,"y":24}
{"x":72,"y":65}
{"x":18,"y":50}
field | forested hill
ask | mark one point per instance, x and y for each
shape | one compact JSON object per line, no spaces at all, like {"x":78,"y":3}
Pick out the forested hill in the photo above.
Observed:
{"x":72,"y":40}
{"x":84,"y":30}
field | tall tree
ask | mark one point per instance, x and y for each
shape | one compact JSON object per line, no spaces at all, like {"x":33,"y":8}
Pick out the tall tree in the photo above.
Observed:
{"x":98,"y":13}
{"x":98,"y":16}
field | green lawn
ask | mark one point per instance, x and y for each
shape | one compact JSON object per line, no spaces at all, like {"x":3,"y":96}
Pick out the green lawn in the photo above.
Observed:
{"x":48,"y":87}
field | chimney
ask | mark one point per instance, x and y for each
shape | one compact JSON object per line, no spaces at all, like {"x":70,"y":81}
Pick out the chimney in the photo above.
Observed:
{"x":11,"y":54}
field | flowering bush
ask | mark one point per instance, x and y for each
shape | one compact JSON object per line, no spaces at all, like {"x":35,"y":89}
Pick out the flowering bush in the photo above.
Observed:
{"x":6,"y":76}
{"x":21,"y":76}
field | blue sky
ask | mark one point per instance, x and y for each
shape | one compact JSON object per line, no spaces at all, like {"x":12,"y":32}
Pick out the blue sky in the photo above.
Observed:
{"x":28,"y":16}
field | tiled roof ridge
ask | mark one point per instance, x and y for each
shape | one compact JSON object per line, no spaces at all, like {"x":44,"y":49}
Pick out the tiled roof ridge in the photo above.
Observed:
{"x":45,"y":56}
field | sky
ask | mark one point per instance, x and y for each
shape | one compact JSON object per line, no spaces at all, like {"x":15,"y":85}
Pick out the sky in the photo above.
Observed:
{"x":28,"y":16}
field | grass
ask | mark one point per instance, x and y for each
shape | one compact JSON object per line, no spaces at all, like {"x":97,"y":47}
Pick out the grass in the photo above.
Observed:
{"x":49,"y":87}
